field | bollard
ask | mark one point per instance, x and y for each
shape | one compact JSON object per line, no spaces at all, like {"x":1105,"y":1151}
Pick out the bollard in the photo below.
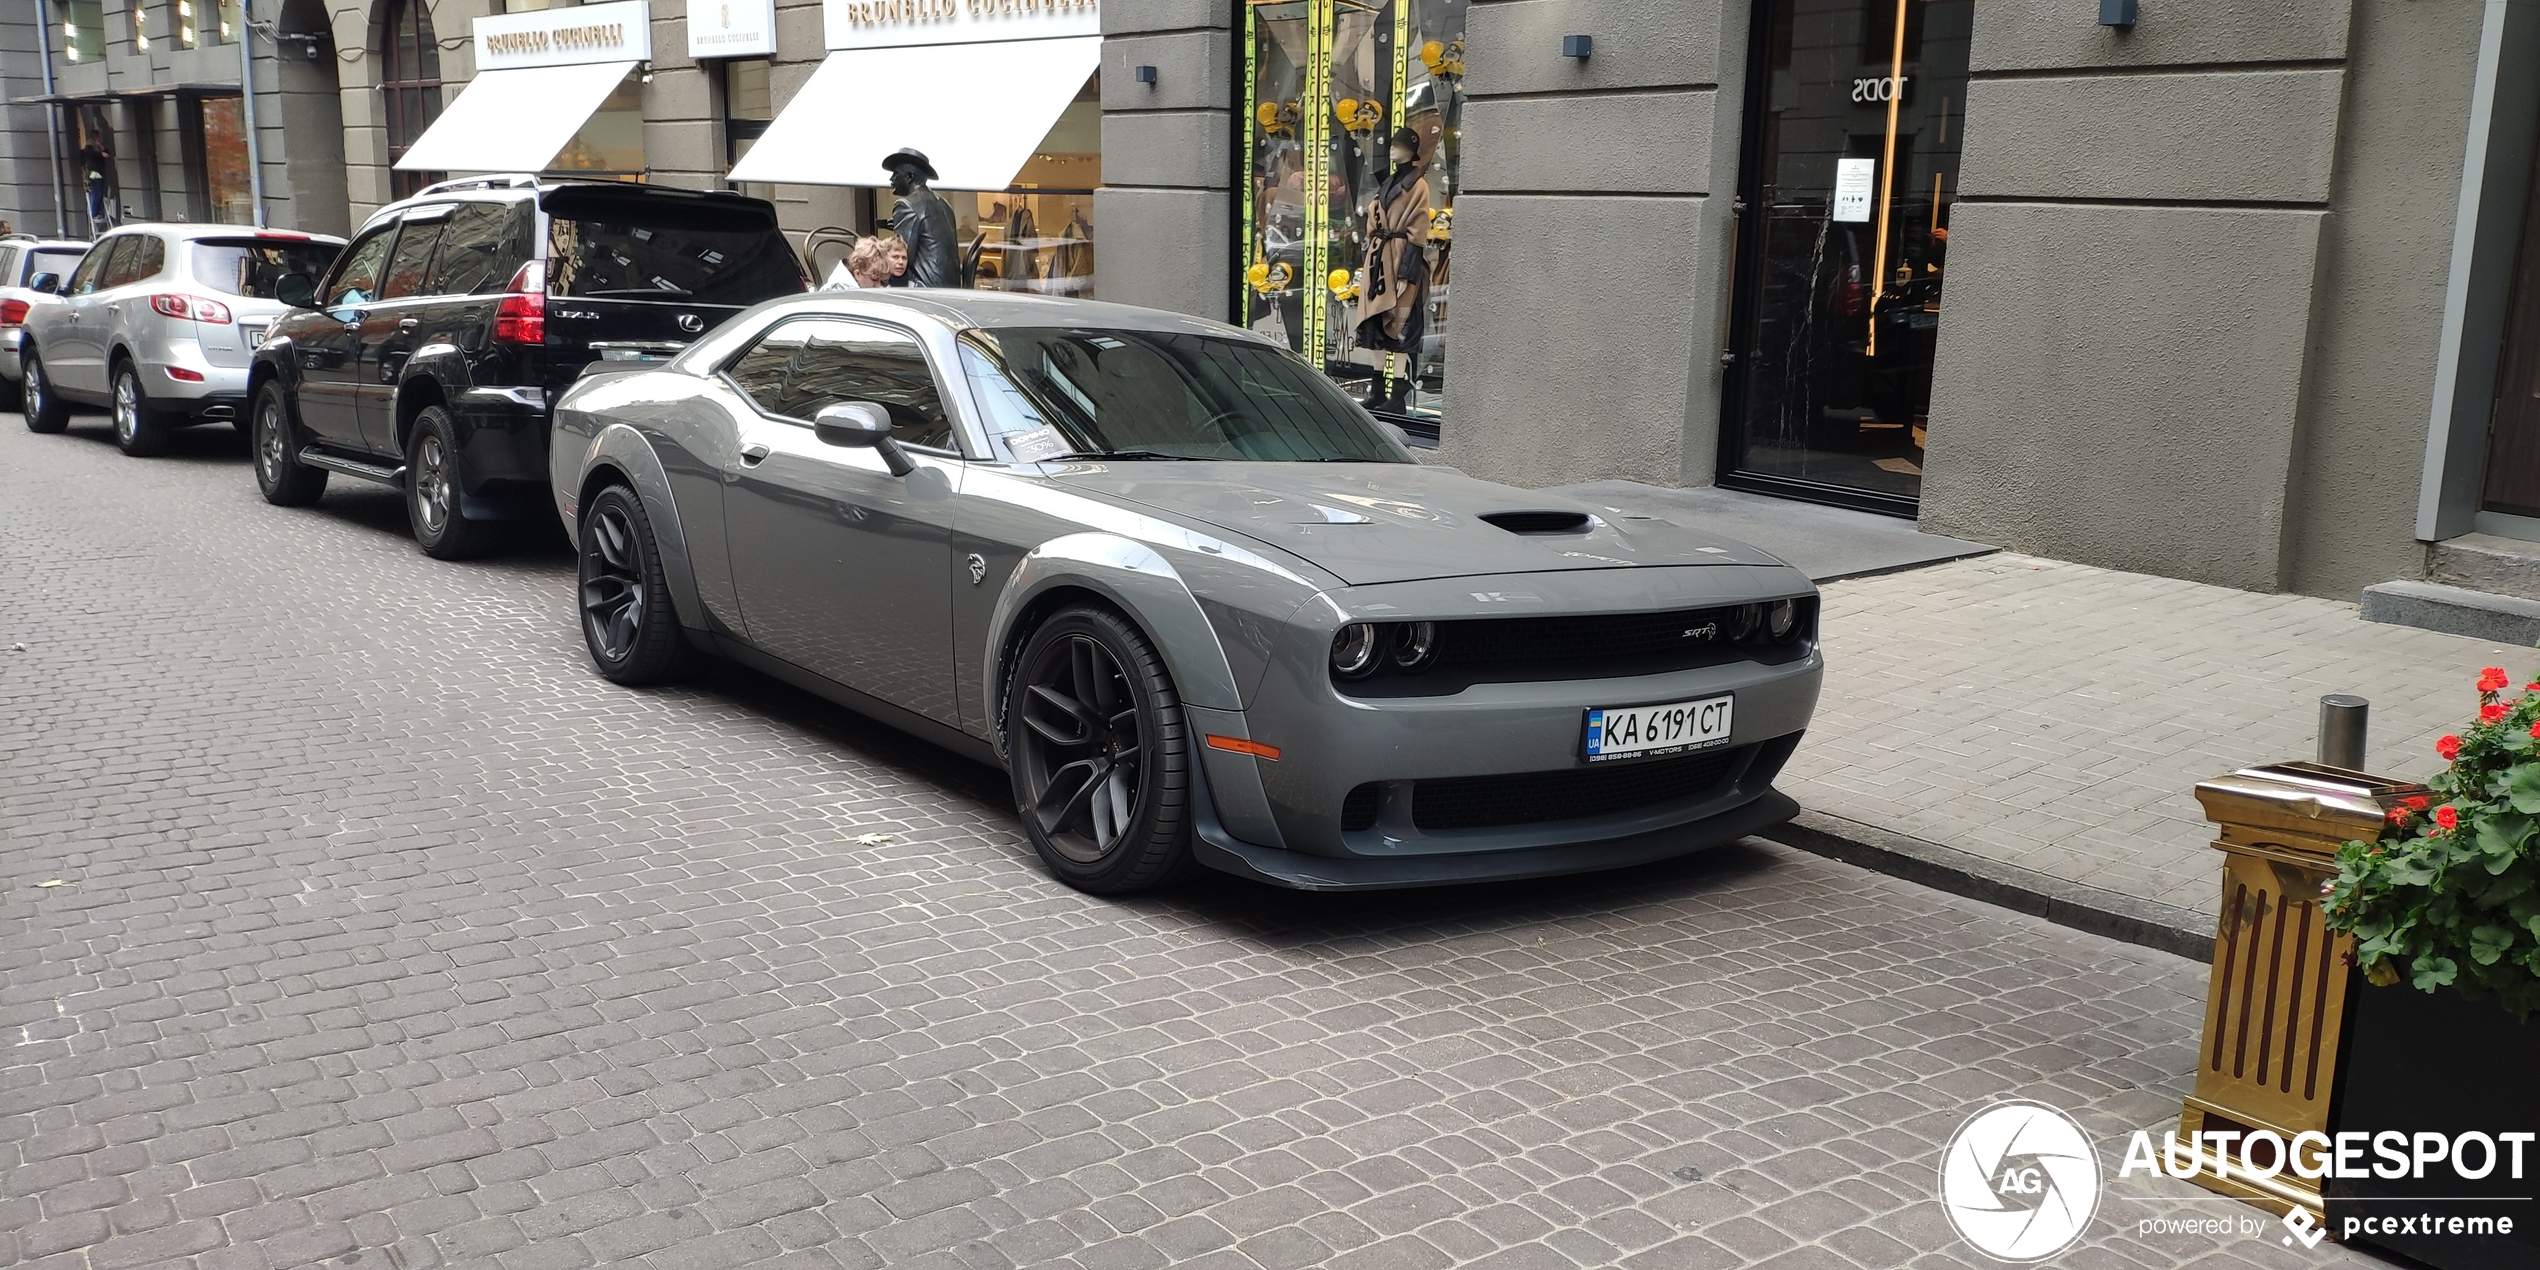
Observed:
{"x":2343,"y":717}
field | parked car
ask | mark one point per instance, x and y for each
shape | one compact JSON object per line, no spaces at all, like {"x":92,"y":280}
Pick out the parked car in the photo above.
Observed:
{"x":1201,"y":606}
{"x":157,"y":323}
{"x":426,"y":358}
{"x":23,"y":259}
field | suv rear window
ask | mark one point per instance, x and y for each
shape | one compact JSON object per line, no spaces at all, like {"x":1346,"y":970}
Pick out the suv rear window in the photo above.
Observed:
{"x":252,"y":267}
{"x":670,"y":252}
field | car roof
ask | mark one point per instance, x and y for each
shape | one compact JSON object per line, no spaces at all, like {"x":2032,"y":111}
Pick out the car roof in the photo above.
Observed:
{"x":990,"y":310}
{"x":29,"y":242}
{"x":187,"y":231}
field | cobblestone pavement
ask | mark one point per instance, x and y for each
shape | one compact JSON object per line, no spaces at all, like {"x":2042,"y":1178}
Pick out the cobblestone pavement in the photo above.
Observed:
{"x":387,"y":934}
{"x":2057,"y":716}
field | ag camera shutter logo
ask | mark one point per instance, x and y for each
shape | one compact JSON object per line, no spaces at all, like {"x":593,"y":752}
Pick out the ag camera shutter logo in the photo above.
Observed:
{"x":2020,"y":1181}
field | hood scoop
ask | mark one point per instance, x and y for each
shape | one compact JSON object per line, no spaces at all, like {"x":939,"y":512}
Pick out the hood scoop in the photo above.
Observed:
{"x":1541,"y":522}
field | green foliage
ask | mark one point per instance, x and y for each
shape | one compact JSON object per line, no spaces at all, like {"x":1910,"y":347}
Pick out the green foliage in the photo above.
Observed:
{"x":2457,"y":905}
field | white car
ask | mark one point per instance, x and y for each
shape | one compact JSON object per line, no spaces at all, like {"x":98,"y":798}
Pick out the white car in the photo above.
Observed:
{"x":23,"y":259}
{"x":159,"y":323}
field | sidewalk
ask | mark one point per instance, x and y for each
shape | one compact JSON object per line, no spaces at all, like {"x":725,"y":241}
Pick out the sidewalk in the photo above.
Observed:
{"x":2053,"y":719}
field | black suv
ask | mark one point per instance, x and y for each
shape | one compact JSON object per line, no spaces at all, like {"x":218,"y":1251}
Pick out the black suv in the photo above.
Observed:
{"x":428,"y":355}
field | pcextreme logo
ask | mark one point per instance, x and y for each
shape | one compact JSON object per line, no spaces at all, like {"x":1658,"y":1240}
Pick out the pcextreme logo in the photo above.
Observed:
{"x":2020,"y":1181}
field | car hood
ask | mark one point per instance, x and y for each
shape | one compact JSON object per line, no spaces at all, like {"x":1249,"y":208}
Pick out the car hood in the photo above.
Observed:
{"x":1371,"y":523}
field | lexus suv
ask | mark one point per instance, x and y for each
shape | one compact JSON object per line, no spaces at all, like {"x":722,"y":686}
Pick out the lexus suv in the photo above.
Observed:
{"x":427,"y":357}
{"x":158,"y":322}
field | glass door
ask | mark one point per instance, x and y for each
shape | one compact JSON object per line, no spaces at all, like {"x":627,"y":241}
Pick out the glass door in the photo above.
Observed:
{"x":1345,"y":253}
{"x":1853,"y":131}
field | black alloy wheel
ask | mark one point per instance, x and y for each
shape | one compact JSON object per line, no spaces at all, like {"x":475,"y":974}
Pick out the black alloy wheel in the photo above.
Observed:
{"x":44,"y":411}
{"x":627,"y":617}
{"x":1099,"y":754}
{"x":434,"y":506}
{"x":280,"y":475}
{"x":140,"y":430}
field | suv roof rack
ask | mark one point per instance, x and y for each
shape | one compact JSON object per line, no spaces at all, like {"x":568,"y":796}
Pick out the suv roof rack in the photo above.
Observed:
{"x":509,"y":181}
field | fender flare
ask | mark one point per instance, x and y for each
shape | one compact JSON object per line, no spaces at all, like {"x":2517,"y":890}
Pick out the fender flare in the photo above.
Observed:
{"x":276,"y":365}
{"x":623,"y":448}
{"x":1141,"y":583}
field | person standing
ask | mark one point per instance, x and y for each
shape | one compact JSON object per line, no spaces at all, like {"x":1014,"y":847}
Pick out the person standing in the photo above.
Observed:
{"x":97,"y":177}
{"x":924,"y":222}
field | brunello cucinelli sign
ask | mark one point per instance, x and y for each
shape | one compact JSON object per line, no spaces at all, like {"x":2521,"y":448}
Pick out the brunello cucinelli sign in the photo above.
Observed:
{"x":855,"y":24}
{"x":731,"y":28}
{"x":618,"y":32}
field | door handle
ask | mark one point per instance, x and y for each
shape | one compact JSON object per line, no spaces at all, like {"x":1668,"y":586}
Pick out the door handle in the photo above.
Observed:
{"x":406,"y":324}
{"x":752,"y":453}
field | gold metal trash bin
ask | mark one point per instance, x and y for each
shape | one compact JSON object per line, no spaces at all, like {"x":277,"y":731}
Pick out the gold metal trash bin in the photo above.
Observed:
{"x":2275,"y":1008}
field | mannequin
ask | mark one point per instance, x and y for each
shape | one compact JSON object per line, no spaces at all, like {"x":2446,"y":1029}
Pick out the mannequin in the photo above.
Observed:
{"x":924,"y":221}
{"x":1393,"y":292}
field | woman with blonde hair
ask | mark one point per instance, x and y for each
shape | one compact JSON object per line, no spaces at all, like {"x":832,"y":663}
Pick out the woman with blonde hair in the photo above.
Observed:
{"x":878,"y":260}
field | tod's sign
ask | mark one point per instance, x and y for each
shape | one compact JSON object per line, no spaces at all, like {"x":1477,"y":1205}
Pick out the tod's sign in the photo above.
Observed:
{"x":618,"y":32}
{"x":856,"y":24}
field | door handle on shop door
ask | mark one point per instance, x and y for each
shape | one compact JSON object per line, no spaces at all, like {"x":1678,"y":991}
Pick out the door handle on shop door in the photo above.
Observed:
{"x":752,"y":453}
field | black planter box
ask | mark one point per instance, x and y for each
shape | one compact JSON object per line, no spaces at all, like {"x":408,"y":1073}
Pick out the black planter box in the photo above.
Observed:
{"x":2437,"y":1062}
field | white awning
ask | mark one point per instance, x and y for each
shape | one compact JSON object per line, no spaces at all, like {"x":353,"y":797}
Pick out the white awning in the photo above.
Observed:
{"x":976,"y":110}
{"x":514,"y":120}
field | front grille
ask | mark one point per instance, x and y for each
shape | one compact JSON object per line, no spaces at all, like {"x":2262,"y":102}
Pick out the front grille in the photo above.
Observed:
{"x":1534,"y":798}
{"x":1615,"y":645}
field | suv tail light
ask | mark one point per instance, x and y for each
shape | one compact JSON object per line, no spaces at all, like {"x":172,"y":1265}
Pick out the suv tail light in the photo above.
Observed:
{"x":13,"y":312}
{"x":191,"y":307}
{"x":521,"y":318}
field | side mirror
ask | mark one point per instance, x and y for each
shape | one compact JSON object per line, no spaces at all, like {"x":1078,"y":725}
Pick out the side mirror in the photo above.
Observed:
{"x":297,"y":290}
{"x":861,"y":425}
{"x":48,"y":283}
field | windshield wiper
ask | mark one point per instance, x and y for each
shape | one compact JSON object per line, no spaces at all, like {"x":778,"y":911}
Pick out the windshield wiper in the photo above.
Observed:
{"x":1121,"y":454}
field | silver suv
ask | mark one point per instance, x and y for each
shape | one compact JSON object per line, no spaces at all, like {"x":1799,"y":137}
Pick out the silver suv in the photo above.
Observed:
{"x":159,"y":322}
{"x":23,"y":259}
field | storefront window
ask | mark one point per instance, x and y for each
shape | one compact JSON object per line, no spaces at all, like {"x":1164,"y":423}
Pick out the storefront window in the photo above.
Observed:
{"x":749,"y":104}
{"x":83,"y":30}
{"x":410,"y":91}
{"x":1038,"y":234}
{"x":219,"y":158}
{"x":611,"y":141}
{"x":1851,"y":162}
{"x":1345,"y":251}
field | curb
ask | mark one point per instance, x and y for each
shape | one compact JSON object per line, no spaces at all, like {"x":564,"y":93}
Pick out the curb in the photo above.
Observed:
{"x":2085,"y":908}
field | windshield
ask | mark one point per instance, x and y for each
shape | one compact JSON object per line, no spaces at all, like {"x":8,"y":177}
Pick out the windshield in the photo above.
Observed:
{"x":252,"y":267}
{"x":1052,"y":393}
{"x":677,"y":254}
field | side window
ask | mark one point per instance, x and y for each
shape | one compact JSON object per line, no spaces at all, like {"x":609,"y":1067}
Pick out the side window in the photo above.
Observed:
{"x":804,"y":365}
{"x":141,"y":259}
{"x":413,"y":255}
{"x":356,"y":279}
{"x":482,"y":246}
{"x":91,"y":273}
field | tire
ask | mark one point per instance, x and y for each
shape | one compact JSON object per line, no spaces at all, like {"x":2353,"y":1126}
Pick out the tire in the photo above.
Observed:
{"x":1099,"y":754}
{"x":140,"y":430}
{"x":441,"y":524}
{"x":274,"y":442}
{"x":44,"y":409}
{"x":627,"y":619}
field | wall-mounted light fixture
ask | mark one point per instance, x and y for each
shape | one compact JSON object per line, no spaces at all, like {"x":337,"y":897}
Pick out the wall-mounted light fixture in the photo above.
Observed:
{"x":1578,"y":46}
{"x":1146,"y":75}
{"x":2117,"y":13}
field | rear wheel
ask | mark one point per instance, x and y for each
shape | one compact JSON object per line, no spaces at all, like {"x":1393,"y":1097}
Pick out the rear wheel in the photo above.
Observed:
{"x":433,"y":504}
{"x":140,"y":430}
{"x":44,"y":411}
{"x":627,"y":618}
{"x":285,"y":481}
{"x":1099,"y":754}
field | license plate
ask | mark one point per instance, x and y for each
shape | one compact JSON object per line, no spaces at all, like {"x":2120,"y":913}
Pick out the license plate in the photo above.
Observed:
{"x":1615,"y":732}
{"x":254,"y":335}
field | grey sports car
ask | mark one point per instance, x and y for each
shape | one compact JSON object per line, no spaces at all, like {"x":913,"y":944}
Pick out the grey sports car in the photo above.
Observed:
{"x":1202,"y":607}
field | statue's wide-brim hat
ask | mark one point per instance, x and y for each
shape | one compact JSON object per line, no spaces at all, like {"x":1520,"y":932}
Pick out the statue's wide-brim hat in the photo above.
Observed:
{"x":905,"y":157}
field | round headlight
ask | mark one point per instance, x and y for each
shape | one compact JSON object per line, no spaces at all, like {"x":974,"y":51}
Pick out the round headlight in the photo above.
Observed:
{"x":1744,"y":621}
{"x":1354,"y":650}
{"x":1783,"y":621}
{"x":1414,"y":644}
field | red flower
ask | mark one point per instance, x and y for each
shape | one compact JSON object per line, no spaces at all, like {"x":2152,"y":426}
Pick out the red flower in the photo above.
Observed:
{"x":2398,"y":815}
{"x":2492,"y":679}
{"x":2447,"y":817}
{"x":2449,"y":747}
{"x":2491,"y":714}
{"x":2535,"y":730}
{"x":2418,"y":803}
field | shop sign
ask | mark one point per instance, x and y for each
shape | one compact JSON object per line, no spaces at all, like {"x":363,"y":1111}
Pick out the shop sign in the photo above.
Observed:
{"x":1852,"y":181}
{"x":618,"y":32}
{"x":731,"y":28}
{"x":1879,"y":89}
{"x":863,"y":24}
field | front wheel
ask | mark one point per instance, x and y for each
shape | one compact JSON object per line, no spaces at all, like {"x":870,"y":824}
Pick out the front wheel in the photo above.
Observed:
{"x":283,"y":478}
{"x":44,"y":411}
{"x":1099,"y":754}
{"x":433,"y":505}
{"x":627,"y":618}
{"x":140,"y":430}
